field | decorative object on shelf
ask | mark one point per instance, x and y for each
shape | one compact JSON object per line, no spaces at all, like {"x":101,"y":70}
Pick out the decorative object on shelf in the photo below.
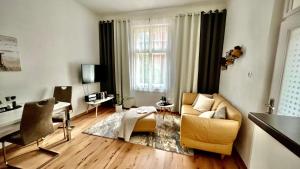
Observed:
{"x":9,"y":54}
{"x":164,"y":102}
{"x":8,"y":101}
{"x":2,"y":109}
{"x":11,"y":104}
{"x":230,"y":57}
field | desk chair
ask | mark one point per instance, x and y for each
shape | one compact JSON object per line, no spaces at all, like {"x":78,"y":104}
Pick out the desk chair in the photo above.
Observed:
{"x":36,"y":123}
{"x":62,"y":94}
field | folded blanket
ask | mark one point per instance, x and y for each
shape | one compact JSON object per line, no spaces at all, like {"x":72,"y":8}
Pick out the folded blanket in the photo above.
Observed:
{"x":131,"y":117}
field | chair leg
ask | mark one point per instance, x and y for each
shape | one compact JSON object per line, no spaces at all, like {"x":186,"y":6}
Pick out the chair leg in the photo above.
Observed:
{"x":64,"y":129}
{"x":5,"y":159}
{"x":47,"y":151}
{"x":52,"y":153}
{"x":4,"y":153}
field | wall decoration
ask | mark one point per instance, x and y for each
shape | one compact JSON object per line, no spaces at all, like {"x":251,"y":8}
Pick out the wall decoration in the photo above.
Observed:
{"x":231,"y":55}
{"x":9,"y":54}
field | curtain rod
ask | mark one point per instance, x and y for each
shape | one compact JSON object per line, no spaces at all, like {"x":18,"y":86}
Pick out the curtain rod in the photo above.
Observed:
{"x":106,"y":21}
{"x":199,"y":13}
{"x":114,"y":20}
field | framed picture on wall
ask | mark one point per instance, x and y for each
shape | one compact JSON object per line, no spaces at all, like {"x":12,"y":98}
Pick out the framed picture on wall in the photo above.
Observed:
{"x":9,"y":54}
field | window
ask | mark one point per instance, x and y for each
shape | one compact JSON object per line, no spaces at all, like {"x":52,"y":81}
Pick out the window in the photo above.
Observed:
{"x":289,"y":101}
{"x":150,"y":51}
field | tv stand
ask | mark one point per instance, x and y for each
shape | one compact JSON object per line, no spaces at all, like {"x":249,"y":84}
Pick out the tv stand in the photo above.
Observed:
{"x":96,"y":103}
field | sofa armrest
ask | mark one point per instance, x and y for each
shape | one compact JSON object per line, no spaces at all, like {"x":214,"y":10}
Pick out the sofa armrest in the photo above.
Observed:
{"x":188,"y":98}
{"x":218,"y":131}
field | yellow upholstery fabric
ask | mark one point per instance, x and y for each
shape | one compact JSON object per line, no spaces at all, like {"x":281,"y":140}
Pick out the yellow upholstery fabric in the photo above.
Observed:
{"x":218,"y":99}
{"x":146,"y":124}
{"x":188,"y":98}
{"x":214,"y":135}
{"x":188,"y":109}
{"x":232,"y":112}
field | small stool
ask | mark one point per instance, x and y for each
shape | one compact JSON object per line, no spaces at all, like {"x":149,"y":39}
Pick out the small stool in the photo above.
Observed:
{"x":146,"y":124}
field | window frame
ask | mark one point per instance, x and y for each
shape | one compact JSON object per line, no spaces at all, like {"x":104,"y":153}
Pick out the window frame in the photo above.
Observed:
{"x":150,"y":51}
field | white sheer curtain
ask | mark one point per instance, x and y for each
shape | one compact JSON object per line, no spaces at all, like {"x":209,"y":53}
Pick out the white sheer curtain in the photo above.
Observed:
{"x":157,"y":55}
{"x":150,"y":56}
{"x":186,"y":52}
{"x":122,"y":57}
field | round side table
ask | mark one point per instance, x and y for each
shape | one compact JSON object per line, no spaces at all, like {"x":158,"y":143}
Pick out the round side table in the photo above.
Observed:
{"x":164,"y":109}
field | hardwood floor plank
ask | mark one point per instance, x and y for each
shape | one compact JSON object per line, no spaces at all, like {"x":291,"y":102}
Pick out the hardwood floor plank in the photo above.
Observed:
{"x":87,"y":151}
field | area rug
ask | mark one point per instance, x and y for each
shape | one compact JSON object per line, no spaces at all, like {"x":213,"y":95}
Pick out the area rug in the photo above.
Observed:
{"x":166,"y":136}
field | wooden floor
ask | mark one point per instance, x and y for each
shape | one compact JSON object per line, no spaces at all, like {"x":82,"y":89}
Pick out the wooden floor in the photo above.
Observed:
{"x":86,"y":151}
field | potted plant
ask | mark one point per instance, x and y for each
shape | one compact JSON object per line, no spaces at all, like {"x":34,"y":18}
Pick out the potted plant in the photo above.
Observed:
{"x":119,"y":106}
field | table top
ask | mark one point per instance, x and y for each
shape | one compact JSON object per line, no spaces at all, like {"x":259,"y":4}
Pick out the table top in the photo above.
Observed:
{"x":60,"y":105}
{"x":14,"y":116}
{"x":100,"y":101}
{"x":166,"y":106}
{"x":5,"y":130}
{"x":285,"y":129}
{"x":13,"y":126}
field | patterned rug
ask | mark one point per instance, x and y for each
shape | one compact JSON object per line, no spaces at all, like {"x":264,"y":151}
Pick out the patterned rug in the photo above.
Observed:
{"x":166,"y":136}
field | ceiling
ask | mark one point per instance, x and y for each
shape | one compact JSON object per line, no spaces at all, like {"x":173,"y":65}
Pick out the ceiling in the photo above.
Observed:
{"x":117,"y":6}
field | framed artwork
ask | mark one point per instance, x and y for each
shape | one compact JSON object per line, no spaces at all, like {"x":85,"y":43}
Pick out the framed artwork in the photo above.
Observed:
{"x":9,"y":54}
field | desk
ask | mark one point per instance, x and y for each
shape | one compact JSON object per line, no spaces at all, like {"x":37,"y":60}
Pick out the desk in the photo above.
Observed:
{"x":14,"y":117}
{"x":96,"y":103}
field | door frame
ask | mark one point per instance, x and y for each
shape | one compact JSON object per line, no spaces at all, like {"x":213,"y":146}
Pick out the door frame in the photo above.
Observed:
{"x":290,"y":23}
{"x":288,"y":8}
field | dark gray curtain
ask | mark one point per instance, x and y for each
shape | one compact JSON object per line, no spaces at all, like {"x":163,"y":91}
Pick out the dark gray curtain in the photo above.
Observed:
{"x":211,"y":48}
{"x":106,"y":42}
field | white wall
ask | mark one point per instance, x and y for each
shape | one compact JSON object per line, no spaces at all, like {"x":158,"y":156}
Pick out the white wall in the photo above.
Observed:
{"x":254,"y":25}
{"x":54,"y":38}
{"x":150,"y":98}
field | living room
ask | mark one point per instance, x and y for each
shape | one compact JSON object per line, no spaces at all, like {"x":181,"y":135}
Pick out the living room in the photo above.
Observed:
{"x":149,"y":84}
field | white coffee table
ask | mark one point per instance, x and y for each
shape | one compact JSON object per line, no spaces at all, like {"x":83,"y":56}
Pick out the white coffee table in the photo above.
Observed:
{"x":164,"y":109}
{"x":96,"y":103}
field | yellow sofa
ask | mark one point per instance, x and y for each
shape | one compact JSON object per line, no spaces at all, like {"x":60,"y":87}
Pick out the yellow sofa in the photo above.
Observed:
{"x":213,"y":135}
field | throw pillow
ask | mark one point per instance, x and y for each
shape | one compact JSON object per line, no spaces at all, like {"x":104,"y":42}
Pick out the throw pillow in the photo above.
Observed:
{"x":203,"y":103}
{"x":207,"y":114}
{"x":206,"y":95}
{"x":220,"y":113}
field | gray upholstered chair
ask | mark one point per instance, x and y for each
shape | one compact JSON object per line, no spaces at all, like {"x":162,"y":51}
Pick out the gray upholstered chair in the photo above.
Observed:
{"x":36,"y":124}
{"x":62,"y":94}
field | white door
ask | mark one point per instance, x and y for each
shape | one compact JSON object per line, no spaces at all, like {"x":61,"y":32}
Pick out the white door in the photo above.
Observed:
{"x":285,"y":89}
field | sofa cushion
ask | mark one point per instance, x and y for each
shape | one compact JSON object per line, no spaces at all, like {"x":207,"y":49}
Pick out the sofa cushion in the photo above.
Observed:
{"x":220,"y":113}
{"x":207,"y":114}
{"x":231,"y":112}
{"x":207,"y":95}
{"x":203,"y":103}
{"x":188,"y":109}
{"x":218,"y":99}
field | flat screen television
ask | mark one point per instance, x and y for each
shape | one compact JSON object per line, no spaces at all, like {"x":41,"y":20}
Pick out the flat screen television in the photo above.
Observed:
{"x":93,"y":73}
